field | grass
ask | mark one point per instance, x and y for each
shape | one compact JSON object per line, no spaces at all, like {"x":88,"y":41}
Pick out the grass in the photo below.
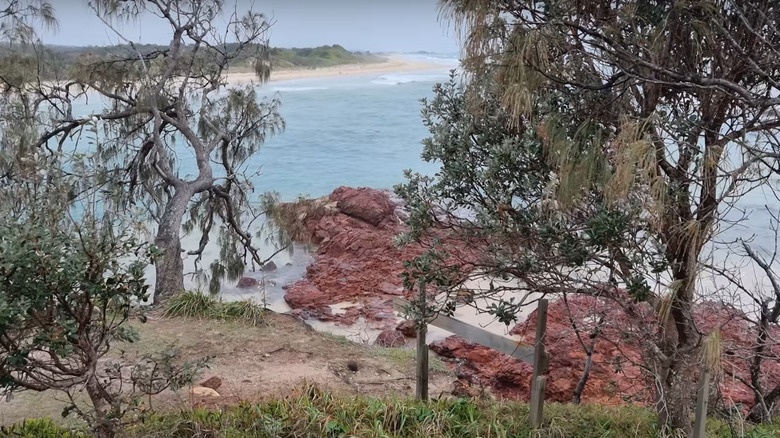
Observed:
{"x":310,"y":412}
{"x":404,"y":358}
{"x":202,"y":306}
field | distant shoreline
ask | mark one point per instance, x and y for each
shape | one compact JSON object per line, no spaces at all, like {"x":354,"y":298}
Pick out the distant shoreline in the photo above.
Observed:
{"x":394,"y":64}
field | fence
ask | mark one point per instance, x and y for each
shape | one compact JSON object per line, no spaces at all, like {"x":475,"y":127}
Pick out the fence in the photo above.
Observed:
{"x":535,"y":355}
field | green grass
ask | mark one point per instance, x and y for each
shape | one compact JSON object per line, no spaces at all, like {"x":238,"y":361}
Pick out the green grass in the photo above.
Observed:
{"x":405,"y":358}
{"x":311,"y":412}
{"x":203,"y":306}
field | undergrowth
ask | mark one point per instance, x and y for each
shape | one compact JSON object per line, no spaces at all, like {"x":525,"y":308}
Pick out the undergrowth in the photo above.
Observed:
{"x":311,"y":412}
{"x":204,"y":306}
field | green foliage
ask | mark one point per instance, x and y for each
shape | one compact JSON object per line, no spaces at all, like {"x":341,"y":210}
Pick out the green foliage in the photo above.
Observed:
{"x":205,"y":306}
{"x":311,"y":412}
{"x":322,"y":56}
{"x":40,"y":428}
{"x":66,"y":292}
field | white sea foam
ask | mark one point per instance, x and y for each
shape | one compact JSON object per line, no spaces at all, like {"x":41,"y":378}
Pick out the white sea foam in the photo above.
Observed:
{"x":294,"y":89}
{"x":405,"y":78}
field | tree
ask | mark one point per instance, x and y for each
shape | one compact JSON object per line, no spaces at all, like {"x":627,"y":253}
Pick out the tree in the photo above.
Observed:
{"x":751,"y":363}
{"x":66,"y":293}
{"x":71,"y":268}
{"x":161,"y":105}
{"x":17,"y":19}
{"x":649,"y":121}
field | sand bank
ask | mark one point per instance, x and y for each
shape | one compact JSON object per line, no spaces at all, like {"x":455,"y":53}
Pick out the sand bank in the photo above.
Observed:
{"x":392,"y":65}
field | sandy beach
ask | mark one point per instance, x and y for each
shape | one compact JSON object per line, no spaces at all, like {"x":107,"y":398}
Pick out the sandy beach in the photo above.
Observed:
{"x":392,"y":65}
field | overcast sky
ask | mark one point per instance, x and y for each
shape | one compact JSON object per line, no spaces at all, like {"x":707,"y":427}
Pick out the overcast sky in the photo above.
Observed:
{"x":375,"y":25}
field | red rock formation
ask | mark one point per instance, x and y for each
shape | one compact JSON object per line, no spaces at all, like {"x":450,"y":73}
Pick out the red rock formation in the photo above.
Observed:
{"x":247,"y":282}
{"x":357,"y":262}
{"x":615,"y":376}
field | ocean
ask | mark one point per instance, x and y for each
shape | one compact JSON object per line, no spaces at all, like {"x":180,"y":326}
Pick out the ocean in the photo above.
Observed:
{"x":360,"y":131}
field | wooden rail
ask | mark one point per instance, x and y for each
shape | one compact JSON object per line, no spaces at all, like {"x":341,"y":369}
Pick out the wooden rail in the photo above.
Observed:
{"x":478,"y":335}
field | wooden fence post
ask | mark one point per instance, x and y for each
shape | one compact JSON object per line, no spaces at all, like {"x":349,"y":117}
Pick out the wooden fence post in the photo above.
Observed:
{"x":422,"y":348}
{"x":700,"y":425}
{"x":541,"y":361}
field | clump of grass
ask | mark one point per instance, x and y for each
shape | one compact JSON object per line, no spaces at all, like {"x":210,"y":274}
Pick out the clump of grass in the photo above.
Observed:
{"x":202,"y":306}
{"x":191,"y":305}
{"x":244,"y":310}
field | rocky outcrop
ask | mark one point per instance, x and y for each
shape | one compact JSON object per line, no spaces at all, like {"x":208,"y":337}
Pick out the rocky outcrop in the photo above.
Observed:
{"x":368,"y":205}
{"x":357,"y":266}
{"x":355,"y":260}
{"x":615,"y":376}
{"x":213,"y":382}
{"x":614,"y":379}
{"x":269,"y":267}
{"x":201,"y":391}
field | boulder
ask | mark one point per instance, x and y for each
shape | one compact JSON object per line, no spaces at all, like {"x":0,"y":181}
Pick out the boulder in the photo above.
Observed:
{"x":247,"y":282}
{"x":408,"y":328}
{"x":201,"y":391}
{"x":390,"y":338}
{"x":368,"y":205}
{"x":269,"y":267}
{"x":213,"y":382}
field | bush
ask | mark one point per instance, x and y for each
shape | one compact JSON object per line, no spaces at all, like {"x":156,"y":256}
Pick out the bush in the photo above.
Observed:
{"x":40,"y":428}
{"x":203,"y":306}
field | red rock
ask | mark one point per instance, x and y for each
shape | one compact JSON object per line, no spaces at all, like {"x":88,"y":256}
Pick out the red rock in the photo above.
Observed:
{"x":356,"y":259}
{"x":368,"y":205}
{"x":390,"y":338}
{"x":247,"y":282}
{"x":269,"y":267}
{"x":408,"y":328}
{"x":213,"y":382}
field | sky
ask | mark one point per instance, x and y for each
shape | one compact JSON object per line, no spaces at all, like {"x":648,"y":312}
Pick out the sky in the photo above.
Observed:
{"x":373,"y":25}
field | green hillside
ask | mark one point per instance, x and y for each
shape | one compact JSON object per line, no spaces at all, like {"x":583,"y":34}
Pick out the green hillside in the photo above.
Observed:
{"x":54,"y":61}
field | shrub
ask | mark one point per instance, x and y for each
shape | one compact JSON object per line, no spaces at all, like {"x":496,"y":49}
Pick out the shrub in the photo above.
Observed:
{"x":40,"y":428}
{"x":203,"y":306}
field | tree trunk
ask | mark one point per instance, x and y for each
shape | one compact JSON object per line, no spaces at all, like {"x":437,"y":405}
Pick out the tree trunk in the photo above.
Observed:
{"x":674,"y":403}
{"x":103,"y":426}
{"x":759,"y":413}
{"x":577,"y":398}
{"x":170,"y":266}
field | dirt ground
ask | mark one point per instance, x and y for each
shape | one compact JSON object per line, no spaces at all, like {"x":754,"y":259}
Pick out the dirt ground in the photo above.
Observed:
{"x":257,"y":363}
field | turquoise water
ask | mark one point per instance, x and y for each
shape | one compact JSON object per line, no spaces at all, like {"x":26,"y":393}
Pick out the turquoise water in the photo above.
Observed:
{"x":360,"y":131}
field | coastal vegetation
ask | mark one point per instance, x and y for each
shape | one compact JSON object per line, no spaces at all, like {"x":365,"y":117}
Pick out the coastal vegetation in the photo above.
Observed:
{"x":601,"y":149}
{"x":57,"y":62}
{"x":312,"y":412}
{"x":597,"y":149}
